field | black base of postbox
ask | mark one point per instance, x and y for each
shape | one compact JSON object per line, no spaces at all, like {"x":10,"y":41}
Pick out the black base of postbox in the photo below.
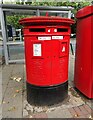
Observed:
{"x":46,"y":95}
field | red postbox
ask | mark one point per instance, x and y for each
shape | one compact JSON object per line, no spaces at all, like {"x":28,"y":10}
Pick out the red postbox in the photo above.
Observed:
{"x":46,"y":54}
{"x":83,"y":78}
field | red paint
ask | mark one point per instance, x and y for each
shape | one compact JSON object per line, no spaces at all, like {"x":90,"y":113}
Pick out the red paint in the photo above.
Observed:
{"x":51,"y":68}
{"x":84,"y":52}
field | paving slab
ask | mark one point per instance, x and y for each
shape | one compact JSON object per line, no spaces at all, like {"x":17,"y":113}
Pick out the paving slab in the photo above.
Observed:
{"x":6,"y":73}
{"x":83,"y":111}
{"x":71,"y":64}
{"x":17,"y":73}
{"x":71,"y":79}
{"x":40,"y":115}
{"x":13,"y":103}
{"x":0,"y":93}
{"x":59,"y":113}
{"x":12,"y":98}
{"x":4,"y":87}
{"x":0,"y":79}
{"x":0,"y":76}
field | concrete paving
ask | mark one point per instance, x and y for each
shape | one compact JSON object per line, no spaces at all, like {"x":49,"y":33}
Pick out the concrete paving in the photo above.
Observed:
{"x":14,"y":103}
{"x":0,"y":92}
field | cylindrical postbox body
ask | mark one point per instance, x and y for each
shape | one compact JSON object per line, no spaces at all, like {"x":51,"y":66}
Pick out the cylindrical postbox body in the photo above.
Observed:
{"x":83,"y":77}
{"x":46,"y":55}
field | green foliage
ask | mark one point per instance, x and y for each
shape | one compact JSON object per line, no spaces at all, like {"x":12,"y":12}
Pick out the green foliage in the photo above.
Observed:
{"x":75,"y":5}
{"x":54,"y":3}
{"x":13,"y":20}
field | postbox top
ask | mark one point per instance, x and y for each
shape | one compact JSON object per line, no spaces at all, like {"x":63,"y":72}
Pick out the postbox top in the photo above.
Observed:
{"x":45,"y":20}
{"x":84,"y":12}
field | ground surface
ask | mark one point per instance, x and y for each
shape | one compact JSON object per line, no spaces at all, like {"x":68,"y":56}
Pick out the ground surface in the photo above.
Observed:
{"x":15,"y":105}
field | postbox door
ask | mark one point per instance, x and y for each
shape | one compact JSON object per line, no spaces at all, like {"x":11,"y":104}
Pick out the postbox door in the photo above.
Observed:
{"x":59,"y":62}
{"x":47,"y":61}
{"x":39,"y":68}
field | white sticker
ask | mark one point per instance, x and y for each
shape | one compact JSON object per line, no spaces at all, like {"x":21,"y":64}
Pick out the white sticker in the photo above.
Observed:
{"x":44,"y":38}
{"x":57,"y":37}
{"x":36,"y":49}
{"x":63,"y":49}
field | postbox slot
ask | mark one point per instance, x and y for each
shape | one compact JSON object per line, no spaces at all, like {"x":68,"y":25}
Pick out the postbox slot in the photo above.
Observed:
{"x":37,"y":29}
{"x":62,"y":30}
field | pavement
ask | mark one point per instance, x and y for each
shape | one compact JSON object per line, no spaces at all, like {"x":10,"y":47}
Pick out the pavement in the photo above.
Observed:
{"x":14,"y":99}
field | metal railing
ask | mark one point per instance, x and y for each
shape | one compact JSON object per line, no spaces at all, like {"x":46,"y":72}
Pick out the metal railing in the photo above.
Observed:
{"x":24,"y":9}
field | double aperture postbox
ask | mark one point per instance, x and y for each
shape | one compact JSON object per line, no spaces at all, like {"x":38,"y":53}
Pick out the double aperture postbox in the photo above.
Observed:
{"x":46,"y":54}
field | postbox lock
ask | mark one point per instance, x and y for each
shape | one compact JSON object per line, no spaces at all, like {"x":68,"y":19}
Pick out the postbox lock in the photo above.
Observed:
{"x":48,"y":30}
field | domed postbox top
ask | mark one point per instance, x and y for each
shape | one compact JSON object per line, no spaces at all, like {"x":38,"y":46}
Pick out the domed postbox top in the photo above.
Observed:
{"x":45,"y":20}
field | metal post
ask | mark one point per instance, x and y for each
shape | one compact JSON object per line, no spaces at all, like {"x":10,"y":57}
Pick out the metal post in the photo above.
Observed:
{"x":20,"y":34}
{"x":72,"y":49}
{"x":4,"y":35}
{"x":69,"y":14}
{"x":37,"y":12}
{"x":1,"y":1}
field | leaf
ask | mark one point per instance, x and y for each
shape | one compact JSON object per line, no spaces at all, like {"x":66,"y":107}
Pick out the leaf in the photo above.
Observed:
{"x":12,"y":108}
{"x":3,"y":102}
{"x":14,"y":95}
{"x":76,"y":115}
{"x":17,"y":91}
{"x":18,"y":79}
{"x":91,"y":117}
